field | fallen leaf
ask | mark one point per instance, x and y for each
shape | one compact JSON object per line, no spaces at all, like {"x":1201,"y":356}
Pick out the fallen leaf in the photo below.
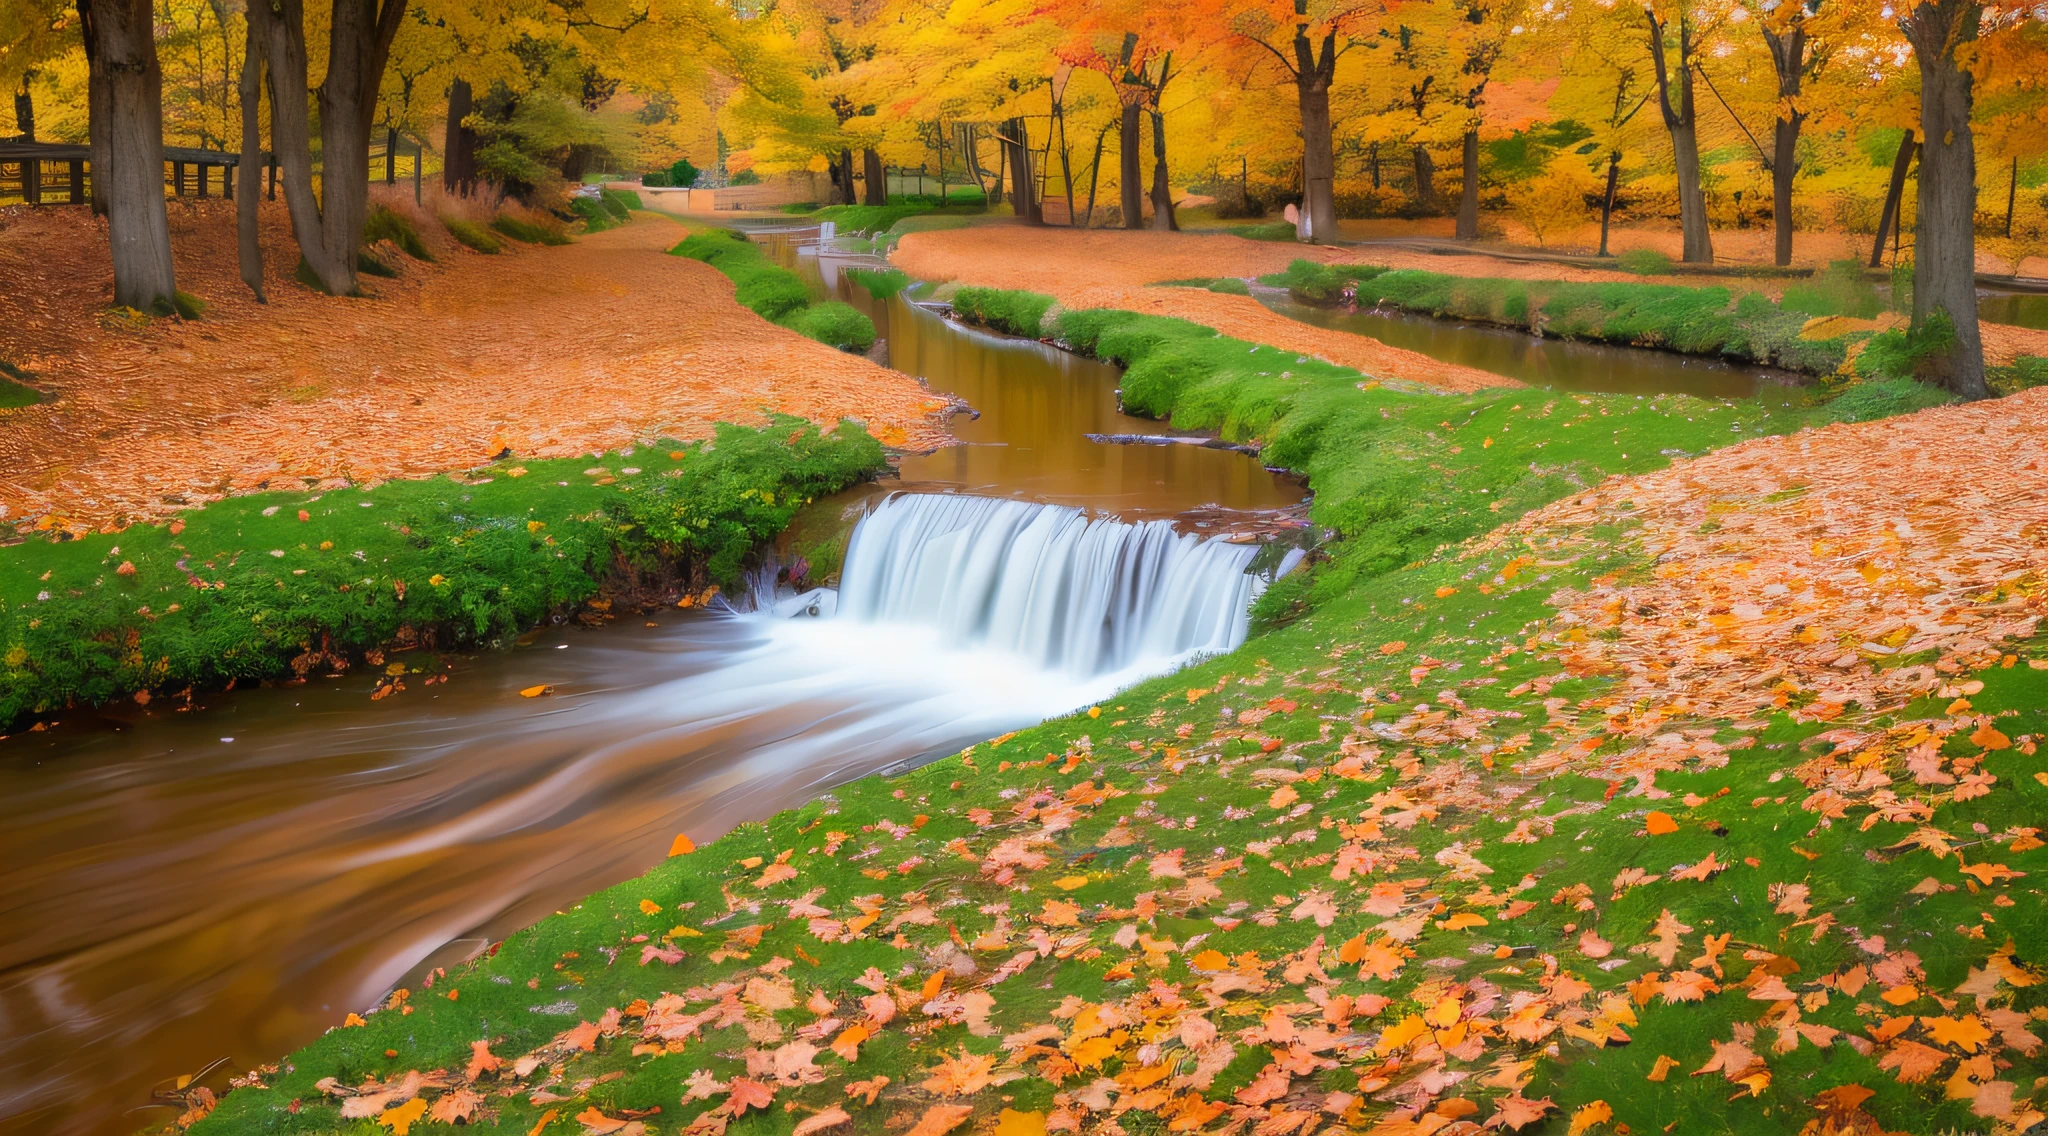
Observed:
{"x":1660,"y":824}
{"x":536,"y":691}
{"x":830,"y":1118}
{"x":457,"y":1107}
{"x":399,"y":1118}
{"x":1587,"y":1115}
{"x":1662,"y":1069}
{"x":940,"y":1119}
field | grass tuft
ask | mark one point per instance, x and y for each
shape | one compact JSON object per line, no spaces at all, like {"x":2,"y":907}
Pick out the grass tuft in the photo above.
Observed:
{"x":386,"y":225}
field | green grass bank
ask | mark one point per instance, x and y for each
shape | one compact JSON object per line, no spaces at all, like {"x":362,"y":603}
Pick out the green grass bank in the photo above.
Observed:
{"x":278,"y":584}
{"x":1375,"y":868}
{"x":775,"y":293}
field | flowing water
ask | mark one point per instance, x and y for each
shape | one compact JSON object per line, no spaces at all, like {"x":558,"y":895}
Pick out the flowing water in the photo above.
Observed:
{"x":1560,"y":363}
{"x":226,"y":882}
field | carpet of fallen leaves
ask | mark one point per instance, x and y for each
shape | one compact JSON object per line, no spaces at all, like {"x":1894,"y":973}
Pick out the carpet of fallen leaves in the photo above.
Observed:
{"x":1705,"y":800}
{"x":550,"y":352}
{"x":1111,"y":268}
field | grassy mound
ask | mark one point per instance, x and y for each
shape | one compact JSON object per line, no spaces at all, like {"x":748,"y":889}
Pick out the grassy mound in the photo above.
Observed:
{"x":1407,"y":860}
{"x":472,"y":235}
{"x":14,"y":392}
{"x":775,"y":293}
{"x":385,"y":225}
{"x":253,"y":587}
{"x":1694,"y":321}
{"x":530,"y":230}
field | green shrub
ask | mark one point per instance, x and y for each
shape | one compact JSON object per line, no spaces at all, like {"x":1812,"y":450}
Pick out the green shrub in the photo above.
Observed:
{"x":370,"y":264}
{"x":621,"y":202}
{"x":529,"y":232}
{"x":596,"y":218}
{"x":1898,"y":353}
{"x":1230,"y":286}
{"x":1842,"y":290}
{"x":1644,"y":262}
{"x":384,"y":224}
{"x":1317,"y":283}
{"x":1270,"y":231}
{"x":13,"y":394}
{"x":1869,"y":399}
{"x":655,"y":179}
{"x":743,"y":490}
{"x":184,"y":305}
{"x":2025,"y":373}
{"x":834,"y":324}
{"x":471,"y":235}
{"x":470,"y":561}
{"x":1019,"y":313}
{"x":881,"y":283}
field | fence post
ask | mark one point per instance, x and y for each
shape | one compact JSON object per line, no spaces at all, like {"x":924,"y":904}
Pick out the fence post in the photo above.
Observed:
{"x":177,"y":179}
{"x":202,"y":168}
{"x":419,"y":158}
{"x":77,"y":181}
{"x":227,"y":181}
{"x":391,"y":155}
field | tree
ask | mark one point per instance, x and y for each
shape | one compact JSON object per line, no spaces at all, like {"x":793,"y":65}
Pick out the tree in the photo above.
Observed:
{"x":1784,"y":27}
{"x":1479,"y":34}
{"x":1681,"y":120}
{"x":1303,"y":38}
{"x":126,"y":89}
{"x":1945,"y":248}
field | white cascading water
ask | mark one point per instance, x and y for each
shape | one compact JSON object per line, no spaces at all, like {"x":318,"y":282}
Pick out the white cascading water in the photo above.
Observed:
{"x":1073,"y":595}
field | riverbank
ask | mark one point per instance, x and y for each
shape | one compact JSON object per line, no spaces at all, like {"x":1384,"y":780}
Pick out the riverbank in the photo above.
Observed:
{"x":1437,"y":849}
{"x":545,"y":352}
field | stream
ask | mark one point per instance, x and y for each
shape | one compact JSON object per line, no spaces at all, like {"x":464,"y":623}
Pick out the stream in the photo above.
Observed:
{"x":221,"y":885}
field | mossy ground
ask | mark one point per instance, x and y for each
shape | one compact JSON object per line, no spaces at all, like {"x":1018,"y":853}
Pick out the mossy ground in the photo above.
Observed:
{"x":1367,"y":870}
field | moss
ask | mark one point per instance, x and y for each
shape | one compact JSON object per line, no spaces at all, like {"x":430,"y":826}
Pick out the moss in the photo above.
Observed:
{"x":245,"y":584}
{"x":834,"y":324}
{"x":384,"y":224}
{"x":13,"y":393}
{"x":1019,"y":313}
{"x":182,"y":304}
{"x":472,"y":235}
{"x":1644,"y":262}
{"x":370,"y":264}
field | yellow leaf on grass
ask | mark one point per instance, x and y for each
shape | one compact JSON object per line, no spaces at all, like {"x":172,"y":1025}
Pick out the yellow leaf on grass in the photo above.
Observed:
{"x":546,"y":1118}
{"x":1587,"y":1115}
{"x":399,"y":1119}
{"x":1660,"y":824}
{"x":1461,"y":921}
{"x":1394,"y":648}
{"x":1213,"y":959}
{"x":1966,"y":1034}
{"x":1663,"y":1068}
{"x":1093,"y":1052}
{"x":1988,"y":737}
{"x":1900,"y":995}
{"x":1069,"y":883}
{"x":1401,"y":1033}
{"x":1013,"y":1123}
{"x":536,"y":691}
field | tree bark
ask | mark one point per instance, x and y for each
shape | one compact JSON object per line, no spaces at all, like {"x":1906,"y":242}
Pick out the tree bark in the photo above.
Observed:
{"x":1607,"y":199}
{"x":1130,"y":167}
{"x":1788,"y":57}
{"x":1682,"y":123}
{"x":1893,"y":195}
{"x":1945,"y":241}
{"x":126,"y":83}
{"x":1023,"y":195}
{"x":458,"y":144}
{"x":1425,"y":178}
{"x":877,"y":177}
{"x":1162,"y":193}
{"x":1468,"y":196}
{"x":95,"y":109}
{"x":1314,"y":70}
{"x":249,"y":202}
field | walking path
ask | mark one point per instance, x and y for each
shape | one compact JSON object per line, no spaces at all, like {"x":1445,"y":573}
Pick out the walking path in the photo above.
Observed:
{"x":547,"y":351}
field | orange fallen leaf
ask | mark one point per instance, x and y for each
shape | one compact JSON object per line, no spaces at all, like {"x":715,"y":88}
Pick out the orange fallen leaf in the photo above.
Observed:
{"x":940,"y":1119}
{"x":649,"y":907}
{"x":1461,"y":921}
{"x":546,"y":1118}
{"x":1900,"y":995}
{"x":1660,"y":824}
{"x":830,"y":1118}
{"x":1966,"y":1033}
{"x":536,"y":691}
{"x":868,"y":1090}
{"x":1013,"y":1123}
{"x":681,"y":845}
{"x":399,"y":1118}
{"x":597,"y":1123}
{"x":1662,"y":1069}
{"x":1987,"y":736}
{"x":1587,"y":1115}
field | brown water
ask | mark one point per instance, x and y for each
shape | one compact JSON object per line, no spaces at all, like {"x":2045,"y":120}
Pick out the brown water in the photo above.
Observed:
{"x":1559,"y":363}
{"x":226,"y":883}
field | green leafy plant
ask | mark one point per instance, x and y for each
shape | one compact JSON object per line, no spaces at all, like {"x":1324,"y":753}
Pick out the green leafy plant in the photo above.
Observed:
{"x":773,"y":292}
{"x":835,"y":324}
{"x":384,"y":224}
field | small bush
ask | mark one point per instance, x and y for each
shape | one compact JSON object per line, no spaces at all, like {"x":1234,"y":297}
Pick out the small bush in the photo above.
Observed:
{"x":529,"y":231}
{"x":621,"y":202}
{"x":1644,"y":262}
{"x":2025,"y":373}
{"x":596,"y":218}
{"x":385,"y":225}
{"x":471,"y":235}
{"x":1019,"y":313}
{"x":835,"y":325}
{"x":881,"y":283}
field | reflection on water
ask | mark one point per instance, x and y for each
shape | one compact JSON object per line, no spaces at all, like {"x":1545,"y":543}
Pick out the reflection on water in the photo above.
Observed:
{"x":232,"y":881}
{"x":1563,"y":364}
{"x":2018,"y":310}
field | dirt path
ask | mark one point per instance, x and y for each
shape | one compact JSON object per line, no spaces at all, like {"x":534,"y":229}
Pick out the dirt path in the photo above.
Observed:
{"x":1105,"y":268}
{"x":551,"y":352}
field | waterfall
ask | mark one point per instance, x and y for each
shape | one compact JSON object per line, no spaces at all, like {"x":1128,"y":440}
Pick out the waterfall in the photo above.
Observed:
{"x":1067,"y":593}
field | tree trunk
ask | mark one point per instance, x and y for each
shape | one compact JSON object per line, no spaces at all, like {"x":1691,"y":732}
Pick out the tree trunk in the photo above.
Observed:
{"x":2012,"y":198}
{"x":1945,"y":242}
{"x":1023,"y":198}
{"x":248,"y":203}
{"x":130,"y":178}
{"x":1095,"y":176}
{"x":458,"y":145}
{"x":1682,"y":123}
{"x":877,"y":177}
{"x":1130,"y":168}
{"x":1313,"y":72}
{"x":1607,"y":199}
{"x":1893,"y":195}
{"x":1425,"y":178}
{"x":96,"y":110}
{"x":1468,"y":196}
{"x":1162,"y":193}
{"x":1788,"y":57}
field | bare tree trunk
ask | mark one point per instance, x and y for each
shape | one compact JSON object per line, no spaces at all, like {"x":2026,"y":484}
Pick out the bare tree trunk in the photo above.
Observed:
{"x":248,"y":203}
{"x":1682,"y":123}
{"x":458,"y":172}
{"x":1893,"y":195}
{"x":96,"y":110}
{"x":1067,"y":165}
{"x":128,"y":143}
{"x":877,"y":177}
{"x":1314,"y":69}
{"x":1095,"y":175}
{"x":1468,"y":196}
{"x":1425,"y":178}
{"x":1945,"y":240}
{"x":1162,"y":193}
{"x":1788,"y":56}
{"x":1607,"y":199}
{"x":1130,"y":171}
{"x":1023,"y":199}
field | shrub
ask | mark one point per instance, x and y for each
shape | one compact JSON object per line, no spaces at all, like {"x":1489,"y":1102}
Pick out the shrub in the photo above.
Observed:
{"x":743,"y":489}
{"x":529,"y":231}
{"x":1317,"y":283}
{"x":1553,"y":201}
{"x":385,"y":225}
{"x":1019,"y":313}
{"x":596,"y":218}
{"x":2025,"y":373}
{"x":471,"y":235}
{"x":836,"y":325}
{"x":881,"y":283}
{"x":1644,"y":262}
{"x":621,"y":202}
{"x":682,"y":174}
{"x":1270,"y":231}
